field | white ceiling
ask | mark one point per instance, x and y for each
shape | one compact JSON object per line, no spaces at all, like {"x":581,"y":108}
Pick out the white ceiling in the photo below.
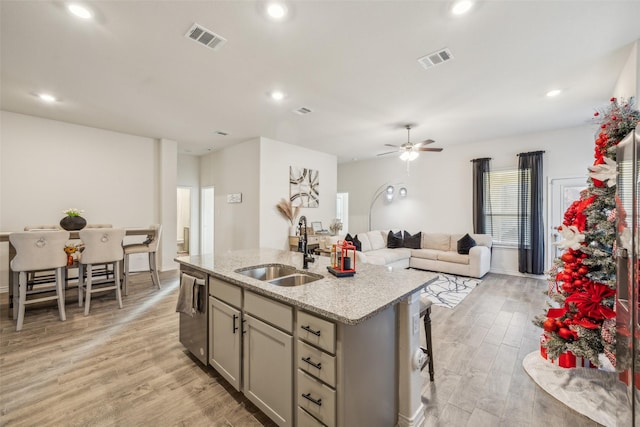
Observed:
{"x":354,"y":63}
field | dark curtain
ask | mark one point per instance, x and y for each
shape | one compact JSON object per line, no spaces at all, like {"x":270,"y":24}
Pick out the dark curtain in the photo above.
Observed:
{"x":481,"y":170}
{"x":530,"y":222}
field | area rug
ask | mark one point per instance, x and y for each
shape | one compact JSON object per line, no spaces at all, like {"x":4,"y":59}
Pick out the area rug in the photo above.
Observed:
{"x":449,"y":290}
{"x":592,"y":392}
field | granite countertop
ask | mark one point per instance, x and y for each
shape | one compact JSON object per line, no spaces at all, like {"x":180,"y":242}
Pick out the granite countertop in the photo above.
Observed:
{"x":348,"y":300}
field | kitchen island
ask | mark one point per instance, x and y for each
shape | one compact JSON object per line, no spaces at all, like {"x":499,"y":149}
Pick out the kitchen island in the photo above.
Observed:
{"x":335,"y":352}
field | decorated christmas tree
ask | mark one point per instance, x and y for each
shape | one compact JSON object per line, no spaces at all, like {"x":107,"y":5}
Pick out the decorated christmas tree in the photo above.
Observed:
{"x":582,"y":280}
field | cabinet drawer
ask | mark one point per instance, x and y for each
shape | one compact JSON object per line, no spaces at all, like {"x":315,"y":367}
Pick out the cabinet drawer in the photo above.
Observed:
{"x":317,"y":363}
{"x":278,"y":314}
{"x":231,"y":294}
{"x":316,"y":331}
{"x":317,"y":399}
{"x":306,"y":420}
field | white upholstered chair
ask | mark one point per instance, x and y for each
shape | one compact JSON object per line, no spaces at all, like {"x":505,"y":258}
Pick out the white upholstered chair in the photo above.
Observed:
{"x":101,"y":246}
{"x":149,"y":246}
{"x":35,"y":277}
{"x":38,"y":251}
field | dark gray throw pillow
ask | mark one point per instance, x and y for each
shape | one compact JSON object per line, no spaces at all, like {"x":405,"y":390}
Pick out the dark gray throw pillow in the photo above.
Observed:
{"x":354,"y":241}
{"x":412,"y":242}
{"x":394,"y":240}
{"x":465,"y":244}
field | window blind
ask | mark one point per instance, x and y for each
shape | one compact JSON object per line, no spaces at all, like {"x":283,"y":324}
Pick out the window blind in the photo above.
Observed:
{"x":501,"y":206}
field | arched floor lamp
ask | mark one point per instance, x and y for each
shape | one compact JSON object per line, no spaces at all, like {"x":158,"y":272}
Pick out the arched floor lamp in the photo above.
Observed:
{"x":389,"y":193}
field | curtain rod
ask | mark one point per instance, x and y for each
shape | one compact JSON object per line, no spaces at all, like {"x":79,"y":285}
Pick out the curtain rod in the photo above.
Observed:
{"x":483,"y":158}
{"x":530,"y":153}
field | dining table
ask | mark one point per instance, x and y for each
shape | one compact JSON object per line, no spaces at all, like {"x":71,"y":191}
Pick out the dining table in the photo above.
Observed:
{"x":73,"y":235}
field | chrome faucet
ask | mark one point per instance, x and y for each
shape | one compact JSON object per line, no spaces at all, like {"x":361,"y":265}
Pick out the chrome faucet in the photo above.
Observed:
{"x":303,"y":243}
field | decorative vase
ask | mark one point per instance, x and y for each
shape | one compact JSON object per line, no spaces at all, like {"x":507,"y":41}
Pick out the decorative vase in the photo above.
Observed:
{"x":293,"y":230}
{"x":73,"y":223}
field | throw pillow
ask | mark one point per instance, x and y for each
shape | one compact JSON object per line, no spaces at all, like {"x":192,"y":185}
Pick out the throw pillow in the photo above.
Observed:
{"x":465,"y":243}
{"x":354,"y":241}
{"x":412,"y":242}
{"x":357,"y":243}
{"x":394,"y":240}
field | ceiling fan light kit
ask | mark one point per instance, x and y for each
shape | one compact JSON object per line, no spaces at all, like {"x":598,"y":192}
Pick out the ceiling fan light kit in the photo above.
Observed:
{"x":410,"y":151}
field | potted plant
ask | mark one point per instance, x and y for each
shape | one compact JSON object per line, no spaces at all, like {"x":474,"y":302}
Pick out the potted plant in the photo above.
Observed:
{"x":73,"y":221}
{"x":290,"y":213}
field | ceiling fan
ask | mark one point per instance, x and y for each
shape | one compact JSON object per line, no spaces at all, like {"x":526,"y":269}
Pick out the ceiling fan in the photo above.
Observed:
{"x":409,"y":151}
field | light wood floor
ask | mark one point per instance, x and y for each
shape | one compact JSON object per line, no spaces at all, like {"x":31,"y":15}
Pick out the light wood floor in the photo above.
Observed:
{"x":127,"y":367}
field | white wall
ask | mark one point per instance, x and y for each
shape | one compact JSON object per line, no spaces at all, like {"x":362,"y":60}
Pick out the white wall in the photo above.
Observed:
{"x":440,"y":184}
{"x":189,"y":177}
{"x":47,"y":166}
{"x":628,"y":83}
{"x":234,"y":170}
{"x":275,"y":159}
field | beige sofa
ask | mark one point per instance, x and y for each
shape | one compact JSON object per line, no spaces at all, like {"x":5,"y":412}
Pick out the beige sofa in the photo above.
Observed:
{"x":438,"y":252}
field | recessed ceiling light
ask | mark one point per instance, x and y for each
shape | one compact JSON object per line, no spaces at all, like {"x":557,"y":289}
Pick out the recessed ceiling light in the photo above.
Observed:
{"x":554,"y":92}
{"x":46,"y":97}
{"x":461,"y":7}
{"x":80,"y":11}
{"x":277,"y":10}
{"x":276,"y":95}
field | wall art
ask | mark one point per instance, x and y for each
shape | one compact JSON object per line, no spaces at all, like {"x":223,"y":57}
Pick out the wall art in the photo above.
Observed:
{"x":304,"y":187}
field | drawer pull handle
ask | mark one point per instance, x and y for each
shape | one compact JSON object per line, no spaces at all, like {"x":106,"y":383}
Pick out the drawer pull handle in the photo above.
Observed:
{"x":308,"y":329}
{"x":235,"y":327}
{"x":311,"y":399}
{"x":315,"y":365}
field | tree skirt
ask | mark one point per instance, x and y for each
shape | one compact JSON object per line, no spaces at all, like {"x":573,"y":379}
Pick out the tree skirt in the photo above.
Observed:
{"x":591,"y":392}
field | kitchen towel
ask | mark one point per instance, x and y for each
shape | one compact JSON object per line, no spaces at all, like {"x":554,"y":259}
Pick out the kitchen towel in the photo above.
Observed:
{"x":185,"y":295}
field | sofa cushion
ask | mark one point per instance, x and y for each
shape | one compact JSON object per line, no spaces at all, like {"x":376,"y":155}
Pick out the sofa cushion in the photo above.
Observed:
{"x":412,"y":242}
{"x":425,"y":253}
{"x":437,"y":241}
{"x":365,"y":244}
{"x":395,"y":240}
{"x":389,"y":255}
{"x":464,"y":244}
{"x":376,"y":239}
{"x":455,"y":257}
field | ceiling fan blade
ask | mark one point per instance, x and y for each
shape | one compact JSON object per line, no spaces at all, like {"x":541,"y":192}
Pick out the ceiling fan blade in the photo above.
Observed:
{"x":428,"y":149}
{"x":384,"y":154}
{"x":427,"y":141}
{"x":390,"y":145}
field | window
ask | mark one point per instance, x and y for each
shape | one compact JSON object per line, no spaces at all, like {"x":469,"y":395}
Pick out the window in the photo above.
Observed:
{"x":501,"y":206}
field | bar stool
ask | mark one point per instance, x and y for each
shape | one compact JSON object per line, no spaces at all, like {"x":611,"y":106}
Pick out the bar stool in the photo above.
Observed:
{"x":33,"y":278}
{"x":149,"y":246}
{"x":101,"y":246}
{"x":425,"y":312}
{"x":38,"y":251}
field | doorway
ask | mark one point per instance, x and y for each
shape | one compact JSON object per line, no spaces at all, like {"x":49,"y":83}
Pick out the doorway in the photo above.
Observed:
{"x":562,"y":192}
{"x":342,"y":210}
{"x":183,"y":221}
{"x":207,"y":237}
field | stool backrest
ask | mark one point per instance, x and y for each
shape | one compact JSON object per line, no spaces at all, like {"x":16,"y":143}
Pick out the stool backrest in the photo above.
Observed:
{"x":153,"y":243}
{"x":39,"y":250}
{"x":99,"y":226}
{"x":101,"y":245}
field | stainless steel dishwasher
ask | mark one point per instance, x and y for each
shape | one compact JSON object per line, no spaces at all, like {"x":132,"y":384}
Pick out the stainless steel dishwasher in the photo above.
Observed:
{"x":194,"y":329}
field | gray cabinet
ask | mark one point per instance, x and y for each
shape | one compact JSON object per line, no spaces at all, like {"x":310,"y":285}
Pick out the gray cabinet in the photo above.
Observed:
{"x":267,"y":365}
{"x":225,"y":341}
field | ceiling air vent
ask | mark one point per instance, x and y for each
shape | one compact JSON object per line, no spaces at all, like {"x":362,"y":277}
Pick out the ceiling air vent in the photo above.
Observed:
{"x":436,"y":58}
{"x":302,"y":111}
{"x":205,"y":37}
{"x":221,"y":133}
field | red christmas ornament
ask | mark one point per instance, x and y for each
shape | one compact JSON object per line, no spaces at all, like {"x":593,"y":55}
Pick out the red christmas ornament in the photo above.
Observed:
{"x":550,"y":325}
{"x":565,"y":333}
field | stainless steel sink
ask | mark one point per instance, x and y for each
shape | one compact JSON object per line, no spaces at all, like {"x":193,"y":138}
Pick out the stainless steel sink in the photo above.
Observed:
{"x":296,"y":279}
{"x":267,"y":272}
{"x":279,"y":274}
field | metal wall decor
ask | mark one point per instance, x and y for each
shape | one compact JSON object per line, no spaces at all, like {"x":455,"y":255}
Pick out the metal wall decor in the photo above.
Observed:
{"x":304,"y":187}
